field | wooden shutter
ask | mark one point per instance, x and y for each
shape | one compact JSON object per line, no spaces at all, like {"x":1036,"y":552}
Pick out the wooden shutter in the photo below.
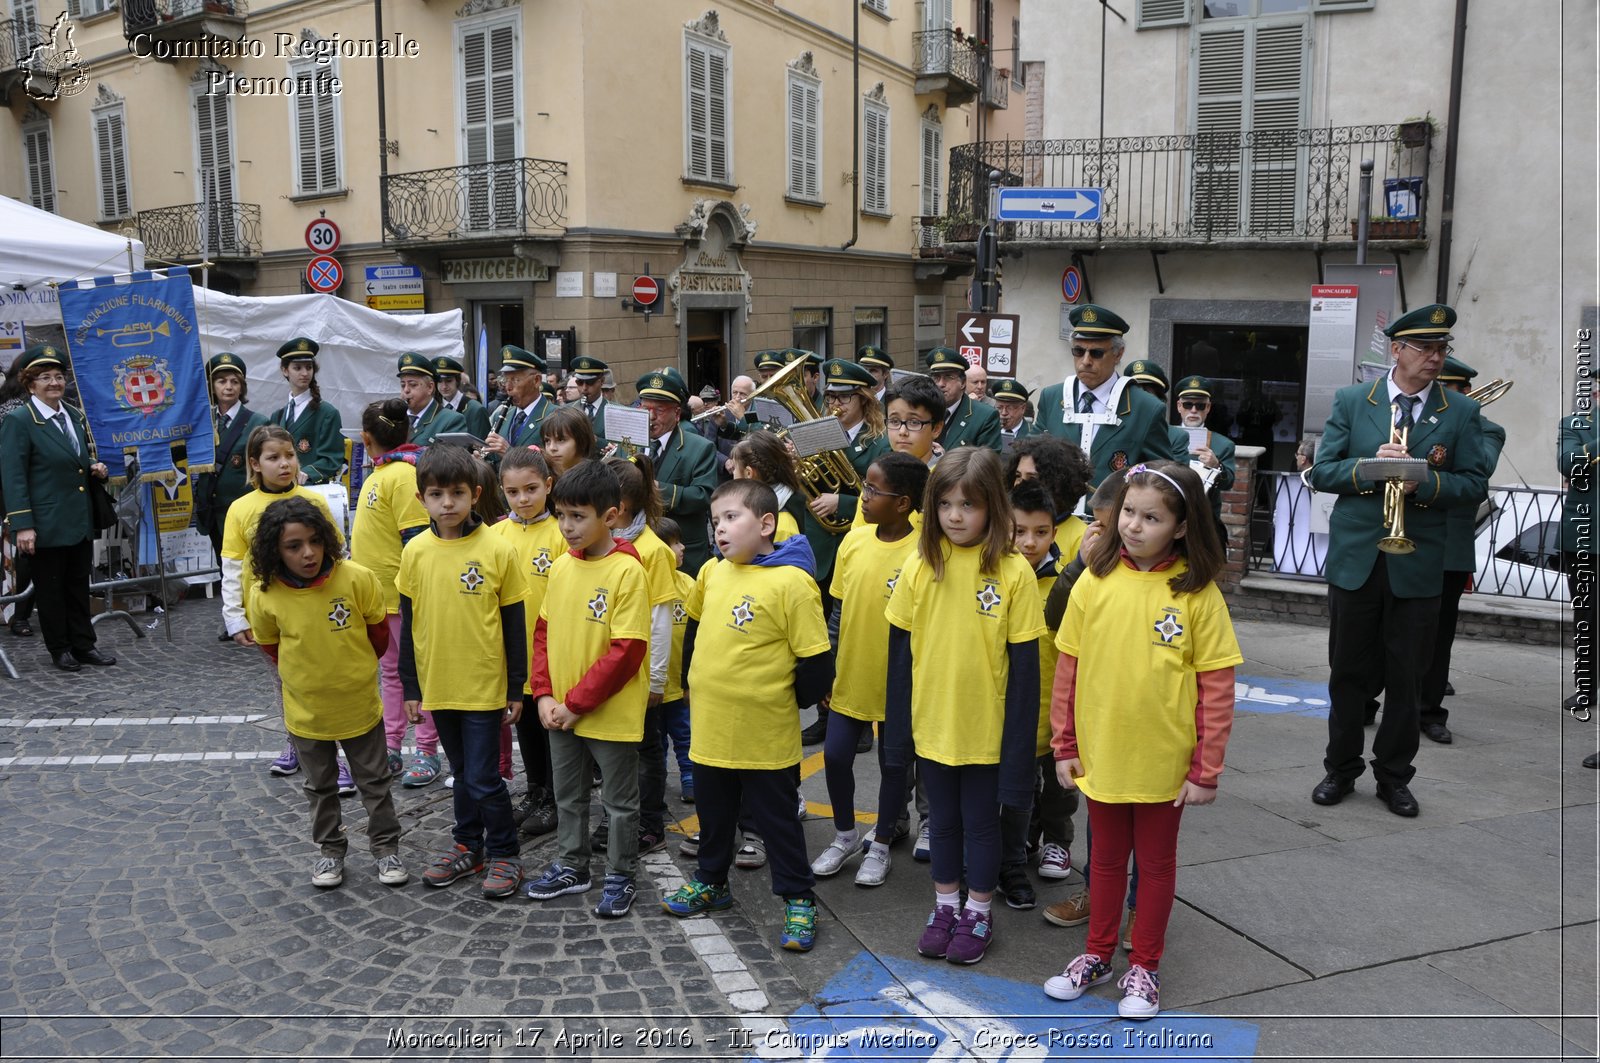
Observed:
{"x":1276,"y":67}
{"x":1219,"y":123}
{"x":41,"y":166}
{"x":717,"y":119}
{"x":880,"y":6}
{"x":489,"y":94}
{"x":316,"y":133}
{"x":1153,"y":14}
{"x":804,"y":146}
{"x":706,"y":101}
{"x":932,"y":151}
{"x":111,"y":160}
{"x":875,"y":152}
{"x":213,"y":133}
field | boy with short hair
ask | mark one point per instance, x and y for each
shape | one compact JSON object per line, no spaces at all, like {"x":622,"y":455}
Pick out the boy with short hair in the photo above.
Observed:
{"x":915,"y":412}
{"x":462,"y":657}
{"x":591,"y":682}
{"x":756,"y":650}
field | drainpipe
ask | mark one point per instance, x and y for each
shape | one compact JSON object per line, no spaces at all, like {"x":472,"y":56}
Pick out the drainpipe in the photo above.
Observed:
{"x":383,"y":125}
{"x":1447,"y":199}
{"x":855,"y":118}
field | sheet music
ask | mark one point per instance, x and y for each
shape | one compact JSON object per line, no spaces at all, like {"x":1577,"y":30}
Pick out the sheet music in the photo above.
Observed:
{"x":815,"y":437}
{"x":628,"y":424}
{"x":773,"y":412}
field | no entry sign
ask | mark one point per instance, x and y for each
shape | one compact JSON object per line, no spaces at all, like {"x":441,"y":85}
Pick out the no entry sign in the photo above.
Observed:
{"x":646,"y":291}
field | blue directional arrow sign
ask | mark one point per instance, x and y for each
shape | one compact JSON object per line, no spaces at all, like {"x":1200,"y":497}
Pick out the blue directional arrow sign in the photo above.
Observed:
{"x":1049,"y":204}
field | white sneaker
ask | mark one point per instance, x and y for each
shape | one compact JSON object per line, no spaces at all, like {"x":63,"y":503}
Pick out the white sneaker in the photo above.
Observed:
{"x":831,"y":859}
{"x":1144,"y":994}
{"x":327,"y":872}
{"x":1055,"y":862}
{"x":391,"y":872}
{"x":752,"y":853}
{"x":801,"y":815}
{"x":1082,"y":974}
{"x":923,"y":850}
{"x":874,"y":867}
{"x":449,"y":782}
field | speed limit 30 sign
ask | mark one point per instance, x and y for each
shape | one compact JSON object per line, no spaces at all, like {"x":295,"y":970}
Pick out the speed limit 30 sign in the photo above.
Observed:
{"x":322,"y":236}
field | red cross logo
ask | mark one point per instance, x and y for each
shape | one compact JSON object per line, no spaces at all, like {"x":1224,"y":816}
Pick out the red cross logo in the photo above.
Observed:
{"x":145,"y":391}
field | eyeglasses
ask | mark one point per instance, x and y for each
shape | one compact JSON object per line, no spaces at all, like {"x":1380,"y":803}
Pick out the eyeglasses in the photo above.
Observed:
{"x":1096,"y":353}
{"x":1193,"y":405}
{"x":1430,"y":348}
{"x":895,"y":424}
{"x":51,"y":378}
{"x":837,"y":398}
{"x":870,"y":492}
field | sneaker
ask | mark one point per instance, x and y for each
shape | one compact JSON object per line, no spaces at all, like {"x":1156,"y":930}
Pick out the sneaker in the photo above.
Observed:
{"x":1081,"y":974}
{"x":557,"y":881}
{"x":458,"y":862}
{"x":397,"y":764}
{"x":1017,"y":889}
{"x":801,"y":813}
{"x":1143,"y":988}
{"x":874,"y":868}
{"x":650,"y":841}
{"x":752,"y":853}
{"x":543,"y":818}
{"x":616,"y":897}
{"x":602,"y":831}
{"x":503,"y":877}
{"x":971,"y":938}
{"x":288,"y":762}
{"x":694,"y":897}
{"x":524,"y":808}
{"x":1127,"y":932}
{"x":690,"y":846}
{"x":449,"y":782}
{"x":922,"y":852}
{"x":687,"y":792}
{"x":831,"y":860}
{"x":327,"y":872}
{"x":1074,"y":911}
{"x":1055,"y":861}
{"x":391,"y":872}
{"x":902,"y":831}
{"x":935,"y":940}
{"x":422,"y":771}
{"x":347,"y":781}
{"x":799,"y":924}
{"x":594,"y":778}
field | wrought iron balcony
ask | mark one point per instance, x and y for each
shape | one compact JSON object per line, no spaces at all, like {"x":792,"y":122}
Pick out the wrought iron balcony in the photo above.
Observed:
{"x":189,"y":232}
{"x":17,"y":39}
{"x":495,"y":199}
{"x":946,"y":63}
{"x":1280,"y":188}
{"x":183,"y":20}
{"x":996,"y":89}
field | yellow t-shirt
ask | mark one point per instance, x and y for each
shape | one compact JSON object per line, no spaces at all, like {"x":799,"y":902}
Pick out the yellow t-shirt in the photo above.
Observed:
{"x":755,"y":622}
{"x":537,"y":546}
{"x":660,"y":567}
{"x":1136,"y":691}
{"x":860,"y":519}
{"x":960,"y":627}
{"x":589,"y":605}
{"x":1048,"y":656}
{"x":864,"y":575}
{"x":329,"y":672}
{"x":387,"y":506}
{"x":239,"y":530}
{"x":1069,"y":537}
{"x":680,"y":624}
{"x":787,"y":528}
{"x":457,"y":588}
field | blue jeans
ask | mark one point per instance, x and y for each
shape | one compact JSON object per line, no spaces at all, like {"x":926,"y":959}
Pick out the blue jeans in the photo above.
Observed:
{"x":471,"y":741}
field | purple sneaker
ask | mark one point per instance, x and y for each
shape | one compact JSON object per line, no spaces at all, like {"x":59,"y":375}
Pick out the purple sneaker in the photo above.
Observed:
{"x":935,"y":940}
{"x":347,"y":782}
{"x":288,"y":762}
{"x":971,"y":938}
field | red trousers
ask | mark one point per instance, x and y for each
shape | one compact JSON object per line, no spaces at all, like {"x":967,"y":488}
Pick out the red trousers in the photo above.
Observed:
{"x":1150,"y":833}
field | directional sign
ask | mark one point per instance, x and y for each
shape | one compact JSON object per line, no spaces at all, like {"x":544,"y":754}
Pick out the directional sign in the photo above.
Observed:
{"x":1049,"y":204}
{"x":324,"y":274}
{"x":395,"y":288}
{"x":322,"y":236}
{"x":646,"y":291}
{"x":989,"y":340}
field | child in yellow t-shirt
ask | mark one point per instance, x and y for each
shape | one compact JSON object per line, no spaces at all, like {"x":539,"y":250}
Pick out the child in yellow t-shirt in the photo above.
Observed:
{"x":756,"y":650}
{"x":761,"y":455}
{"x":1064,"y":472}
{"x":591,"y":683}
{"x":388,"y":515}
{"x":1141,"y":711}
{"x":532,"y":531}
{"x":321,"y":620}
{"x":964,"y":688}
{"x":274,"y":474}
{"x":462,"y":658}
{"x":675,"y":700}
{"x":864,"y":575}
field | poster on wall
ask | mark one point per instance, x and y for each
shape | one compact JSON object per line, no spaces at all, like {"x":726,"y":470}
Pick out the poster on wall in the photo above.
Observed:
{"x":1330,"y":346}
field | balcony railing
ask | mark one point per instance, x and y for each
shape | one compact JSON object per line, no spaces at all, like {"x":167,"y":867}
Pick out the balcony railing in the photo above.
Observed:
{"x":189,"y":231}
{"x":182,"y":19}
{"x":1296,"y":186}
{"x":941,"y":54}
{"x":515,"y":197}
{"x":17,"y":40}
{"x":997,"y":89}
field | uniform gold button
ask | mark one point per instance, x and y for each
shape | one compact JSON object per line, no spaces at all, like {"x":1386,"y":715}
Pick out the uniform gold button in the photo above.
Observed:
{"x":80,"y":487}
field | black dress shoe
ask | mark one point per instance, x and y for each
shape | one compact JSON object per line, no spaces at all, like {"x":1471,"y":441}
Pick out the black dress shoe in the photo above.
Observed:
{"x":1592,"y":760}
{"x":864,"y":742}
{"x":66,"y":663}
{"x":1449,"y":691}
{"x":1398,"y":798}
{"x":21,"y":628}
{"x":1575,"y":701}
{"x":1331,"y":790}
{"x":95,"y":657}
{"x":818,"y":731}
{"x":1369,"y":714}
{"x":1437,"y":732}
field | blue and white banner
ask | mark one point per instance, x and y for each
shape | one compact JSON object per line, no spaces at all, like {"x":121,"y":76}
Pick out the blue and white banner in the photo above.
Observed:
{"x":135,"y":350}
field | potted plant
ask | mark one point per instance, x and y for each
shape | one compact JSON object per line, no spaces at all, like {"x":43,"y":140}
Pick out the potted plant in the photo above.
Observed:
{"x":1385,"y":228}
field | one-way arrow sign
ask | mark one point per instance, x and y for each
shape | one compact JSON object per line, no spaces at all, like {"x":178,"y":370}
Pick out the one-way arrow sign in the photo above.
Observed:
{"x":1049,"y":204}
{"x":972,"y":328}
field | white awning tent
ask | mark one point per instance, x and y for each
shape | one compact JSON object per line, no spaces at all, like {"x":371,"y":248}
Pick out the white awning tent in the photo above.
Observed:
{"x":37,"y":247}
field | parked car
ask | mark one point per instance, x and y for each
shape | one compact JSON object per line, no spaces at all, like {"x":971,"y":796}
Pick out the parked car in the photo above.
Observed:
{"x":1518,"y":544}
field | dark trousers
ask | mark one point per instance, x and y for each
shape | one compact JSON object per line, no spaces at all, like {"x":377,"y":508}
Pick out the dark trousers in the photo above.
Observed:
{"x":767,"y":799}
{"x":369,"y":765}
{"x":1376,"y":638}
{"x":1438,"y":673}
{"x":964,"y":803}
{"x":653,"y":774}
{"x":1049,"y":815}
{"x":533,"y":742}
{"x":675,"y":725}
{"x":482,"y":804}
{"x":839,"y":760}
{"x":23,"y":610}
{"x":61,"y":588}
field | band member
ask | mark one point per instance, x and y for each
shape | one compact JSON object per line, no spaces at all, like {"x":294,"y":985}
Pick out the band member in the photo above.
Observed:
{"x":314,"y":424}
{"x":1384,"y":607}
{"x":1011,"y":402}
{"x":768,"y":363}
{"x":685,"y":464}
{"x":877,"y":362}
{"x":1150,"y":378}
{"x":418,"y":386}
{"x":214,"y":492}
{"x":592,"y":374}
{"x":517,"y":422}
{"x":1114,"y":425}
{"x":449,"y":374}
{"x":1217,"y":452}
{"x":966,"y":423}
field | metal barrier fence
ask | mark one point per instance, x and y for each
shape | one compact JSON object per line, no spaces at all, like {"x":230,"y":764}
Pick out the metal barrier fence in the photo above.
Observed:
{"x":1516,"y":540}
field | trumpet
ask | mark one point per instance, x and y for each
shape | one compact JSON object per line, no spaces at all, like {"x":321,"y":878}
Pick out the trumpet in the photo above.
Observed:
{"x":1394,"y":496}
{"x":1494,"y":389}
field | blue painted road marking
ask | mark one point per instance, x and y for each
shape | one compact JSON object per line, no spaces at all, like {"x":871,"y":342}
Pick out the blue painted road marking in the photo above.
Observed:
{"x":1301,"y":697}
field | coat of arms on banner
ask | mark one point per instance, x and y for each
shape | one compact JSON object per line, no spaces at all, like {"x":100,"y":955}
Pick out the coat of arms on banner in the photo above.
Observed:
{"x":144,"y":384}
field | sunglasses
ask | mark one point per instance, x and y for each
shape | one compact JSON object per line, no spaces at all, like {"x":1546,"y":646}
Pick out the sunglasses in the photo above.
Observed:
{"x":1193,"y":405}
{"x":1096,"y":353}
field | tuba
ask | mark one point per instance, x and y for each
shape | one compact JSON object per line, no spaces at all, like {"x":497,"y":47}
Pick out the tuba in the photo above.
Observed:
{"x":820,"y":474}
{"x":1486,"y":394}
